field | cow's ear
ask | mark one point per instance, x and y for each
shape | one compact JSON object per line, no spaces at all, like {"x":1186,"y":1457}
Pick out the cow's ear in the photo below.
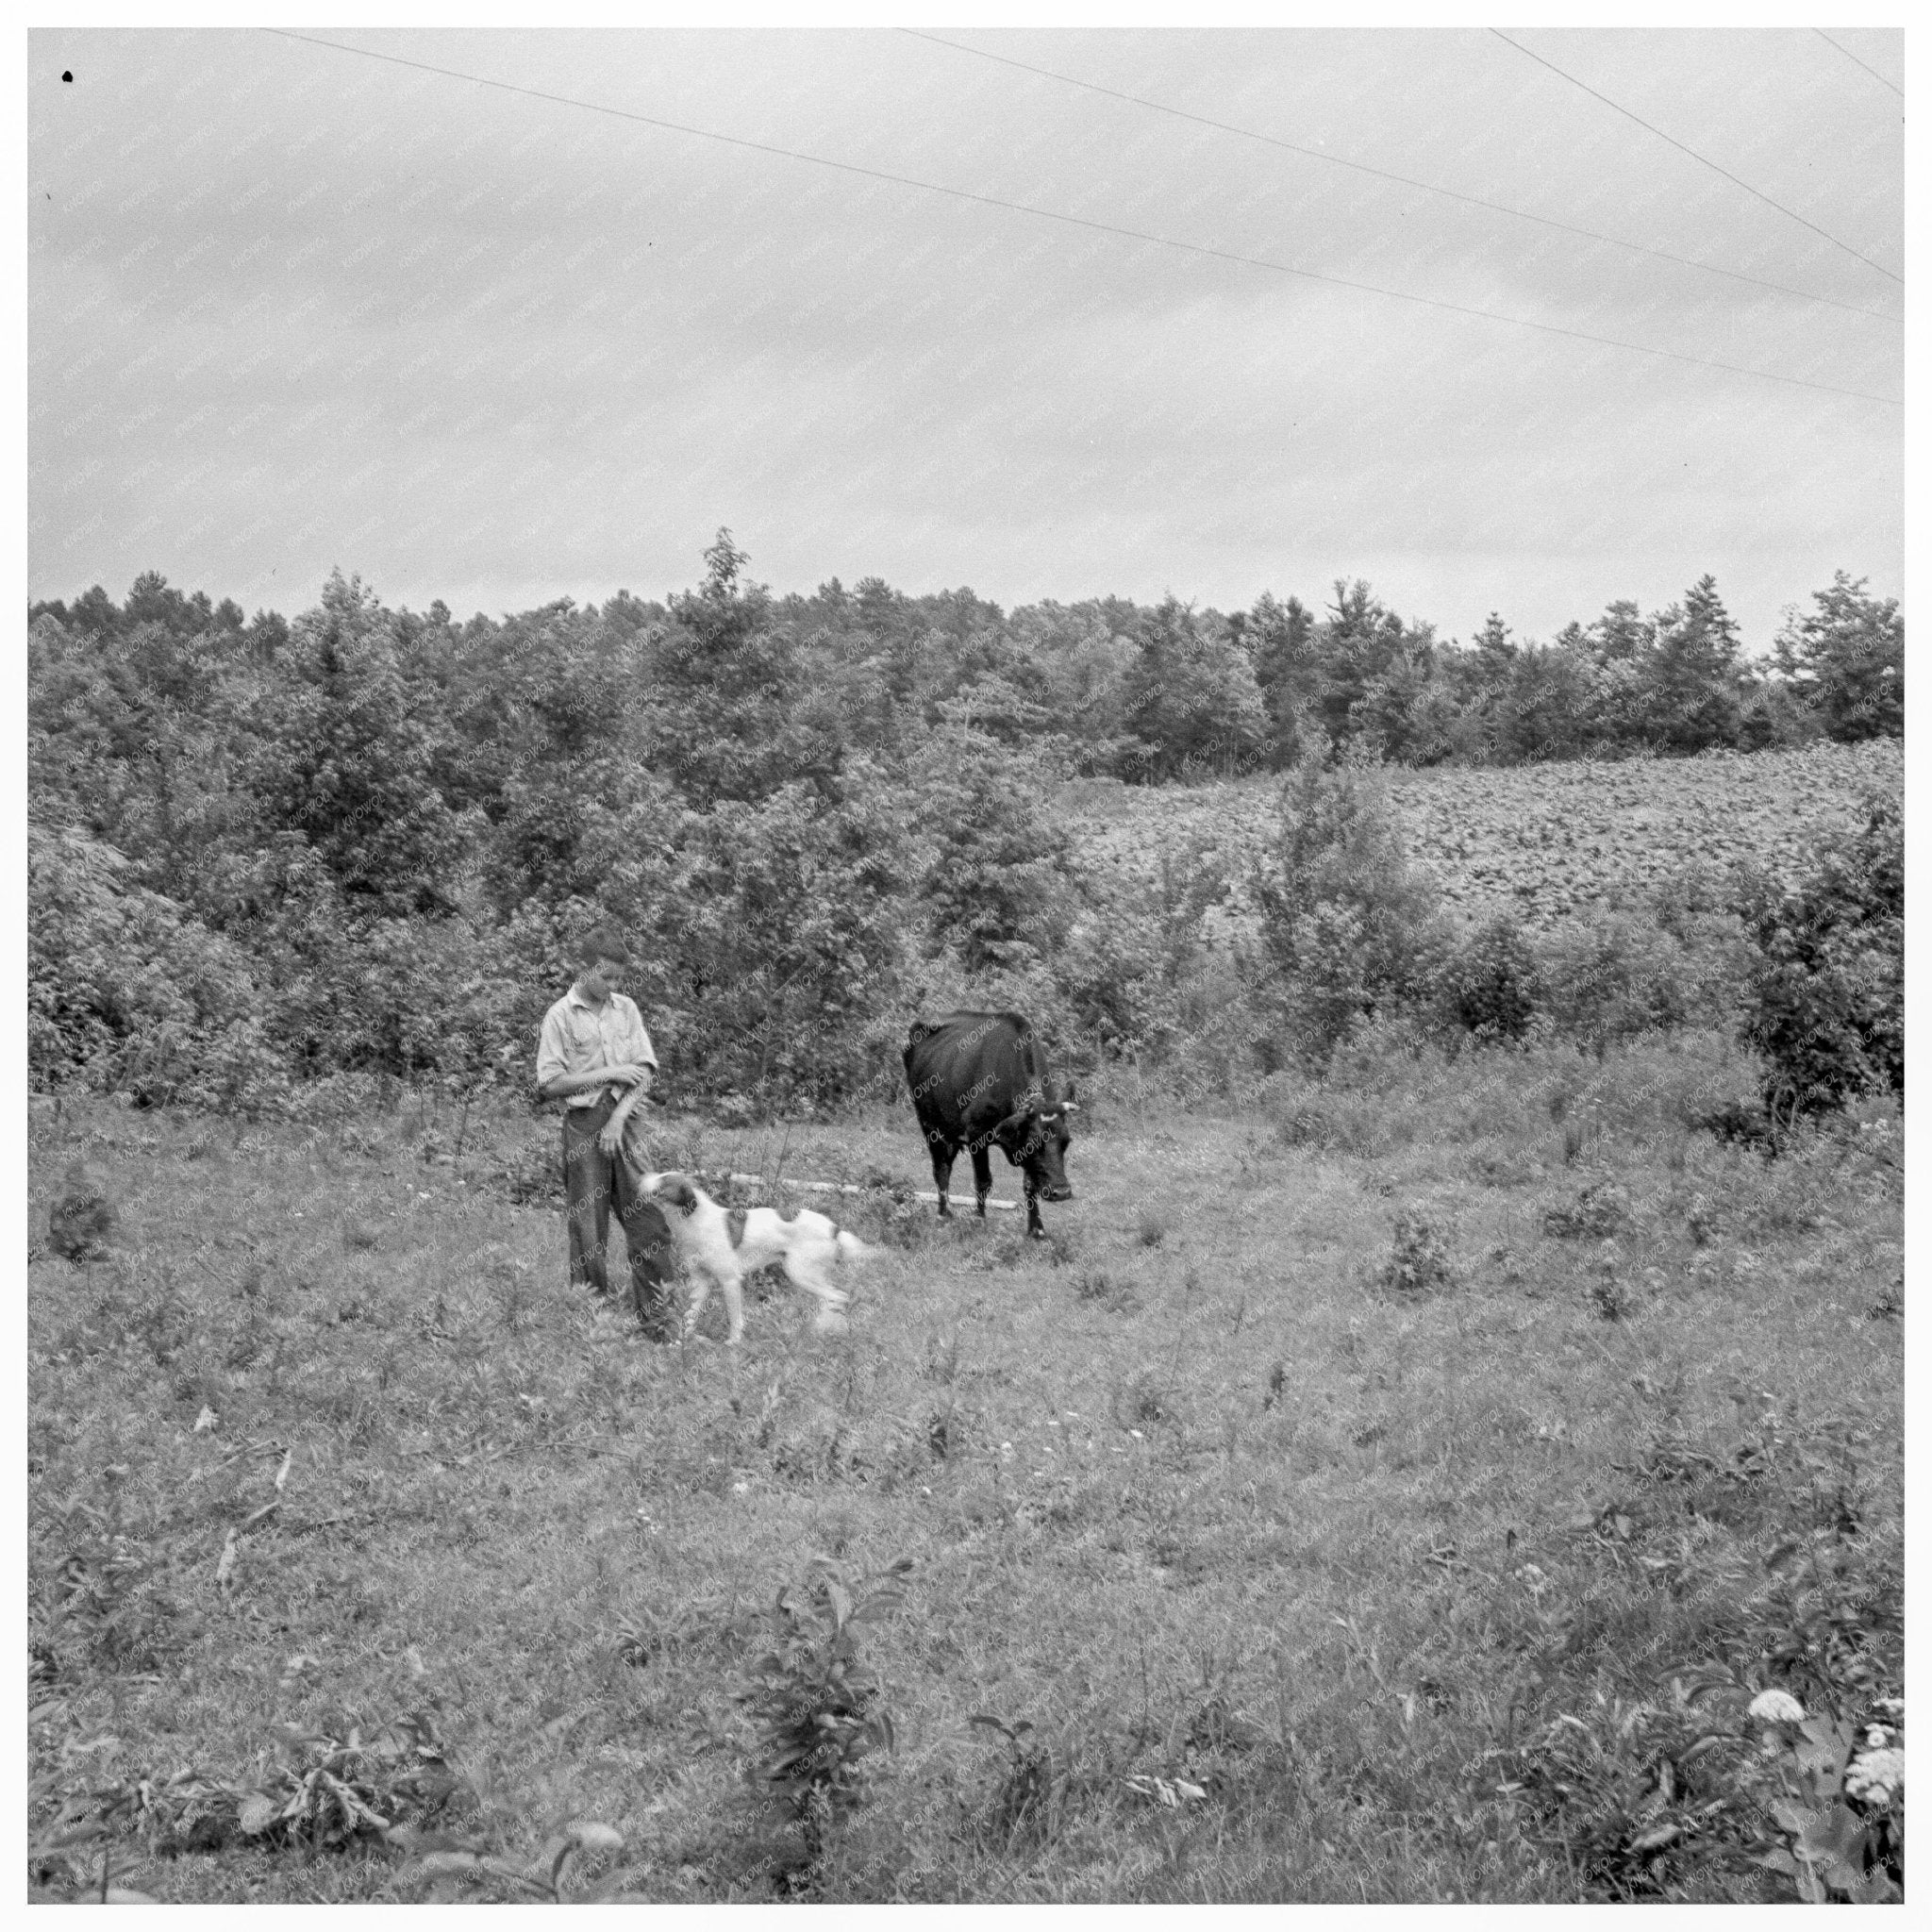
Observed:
{"x":1014,"y":1124}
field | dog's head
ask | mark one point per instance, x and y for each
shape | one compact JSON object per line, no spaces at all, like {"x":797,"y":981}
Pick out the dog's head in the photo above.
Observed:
{"x":674,"y":1190}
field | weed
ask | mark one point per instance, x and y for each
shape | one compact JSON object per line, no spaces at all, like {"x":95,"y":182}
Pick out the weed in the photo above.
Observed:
{"x":1609,"y":1295}
{"x":1143,"y":1402}
{"x":1151,"y":1227}
{"x":1836,"y":1791}
{"x":467,"y":1870}
{"x":109,"y":1603}
{"x":1703,"y":1221}
{"x":1419,"y":1259}
{"x":1601,"y":1209}
{"x":1097,"y":1285}
{"x":817,"y":1707}
{"x":1023,"y":1811}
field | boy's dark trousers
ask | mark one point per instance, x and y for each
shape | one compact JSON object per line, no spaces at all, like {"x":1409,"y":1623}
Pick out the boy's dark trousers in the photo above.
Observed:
{"x":593,"y":1181}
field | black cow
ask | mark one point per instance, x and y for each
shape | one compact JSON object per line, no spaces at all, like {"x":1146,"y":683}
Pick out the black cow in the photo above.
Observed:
{"x":979,"y":1080}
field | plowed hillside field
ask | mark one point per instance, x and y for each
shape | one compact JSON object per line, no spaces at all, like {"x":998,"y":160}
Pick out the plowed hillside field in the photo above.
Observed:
{"x":1543,"y":841}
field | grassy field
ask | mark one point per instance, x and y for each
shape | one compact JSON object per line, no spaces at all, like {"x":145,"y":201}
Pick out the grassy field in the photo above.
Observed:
{"x":1395,"y":1492}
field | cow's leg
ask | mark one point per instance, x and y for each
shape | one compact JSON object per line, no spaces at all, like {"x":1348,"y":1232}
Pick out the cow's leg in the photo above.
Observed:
{"x":942,"y":1154}
{"x":982,"y":1177}
{"x":1034,"y":1224}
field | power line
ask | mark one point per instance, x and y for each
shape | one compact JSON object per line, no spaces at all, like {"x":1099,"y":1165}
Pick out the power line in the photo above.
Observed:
{"x":1856,"y":63}
{"x":1696,"y":156}
{"x":1082,"y":222}
{"x":1405,"y":180}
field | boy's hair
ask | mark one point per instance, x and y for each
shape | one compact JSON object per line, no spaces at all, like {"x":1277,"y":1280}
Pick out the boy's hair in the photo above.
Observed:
{"x":600,"y":942}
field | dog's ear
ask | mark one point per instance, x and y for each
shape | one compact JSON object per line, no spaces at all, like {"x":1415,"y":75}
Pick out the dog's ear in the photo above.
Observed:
{"x":682,"y":1195}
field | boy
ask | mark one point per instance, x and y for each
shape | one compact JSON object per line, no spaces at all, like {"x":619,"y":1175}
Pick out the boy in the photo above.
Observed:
{"x":592,"y":1050}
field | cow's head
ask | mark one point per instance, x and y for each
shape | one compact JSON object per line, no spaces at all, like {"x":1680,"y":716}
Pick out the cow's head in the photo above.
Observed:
{"x":1035,"y":1137}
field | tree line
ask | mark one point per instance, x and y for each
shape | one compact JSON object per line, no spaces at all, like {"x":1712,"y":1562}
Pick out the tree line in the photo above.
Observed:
{"x":266,"y":854}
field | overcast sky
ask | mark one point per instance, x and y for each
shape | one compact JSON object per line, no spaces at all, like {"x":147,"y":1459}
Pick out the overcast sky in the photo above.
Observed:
{"x":292,"y":307}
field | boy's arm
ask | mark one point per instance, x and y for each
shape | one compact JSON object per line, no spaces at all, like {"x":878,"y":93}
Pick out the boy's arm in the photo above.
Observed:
{"x":611,"y":1138}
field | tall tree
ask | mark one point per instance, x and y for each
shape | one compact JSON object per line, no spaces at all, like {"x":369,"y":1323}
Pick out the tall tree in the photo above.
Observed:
{"x":1357,"y":640}
{"x":1191,"y":697}
{"x":1281,"y":640}
{"x":1692,"y":681}
{"x":350,"y":767}
{"x":1846,"y":659}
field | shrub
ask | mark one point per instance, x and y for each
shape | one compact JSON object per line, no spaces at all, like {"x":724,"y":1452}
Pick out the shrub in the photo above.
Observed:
{"x":999,"y":875}
{"x":127,"y":991}
{"x":818,"y":1708}
{"x":1612,"y":975}
{"x":1826,"y":1005}
{"x":1493,"y":983}
{"x":1601,"y":1209}
{"x":1418,"y":1258}
{"x":1350,"y":927}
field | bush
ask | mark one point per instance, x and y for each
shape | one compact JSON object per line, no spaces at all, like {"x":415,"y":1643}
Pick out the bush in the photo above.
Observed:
{"x":128,"y":991}
{"x":1493,"y":983}
{"x":1603,"y":1208}
{"x":818,"y":1710}
{"x":1611,"y":976}
{"x":1350,"y":927}
{"x":1827,"y":1002}
{"x":1418,"y":1258}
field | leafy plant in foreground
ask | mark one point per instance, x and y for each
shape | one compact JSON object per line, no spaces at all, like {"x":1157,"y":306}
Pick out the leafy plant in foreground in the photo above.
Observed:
{"x":817,"y":1706}
{"x":1837,"y":1795}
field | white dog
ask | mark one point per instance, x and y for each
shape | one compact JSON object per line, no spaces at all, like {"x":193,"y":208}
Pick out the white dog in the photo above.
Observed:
{"x":718,"y":1250}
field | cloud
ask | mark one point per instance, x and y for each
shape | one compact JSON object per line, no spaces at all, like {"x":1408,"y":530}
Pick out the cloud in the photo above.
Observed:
{"x":291,"y":308}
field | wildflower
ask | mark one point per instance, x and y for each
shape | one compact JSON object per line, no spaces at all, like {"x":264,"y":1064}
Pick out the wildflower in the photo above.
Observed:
{"x":1877,"y":1738}
{"x":1874,"y":1777}
{"x":1777,"y":1708}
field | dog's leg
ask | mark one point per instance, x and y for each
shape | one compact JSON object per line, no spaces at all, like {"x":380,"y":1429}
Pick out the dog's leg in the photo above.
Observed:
{"x":810,"y":1276}
{"x":732,"y":1282}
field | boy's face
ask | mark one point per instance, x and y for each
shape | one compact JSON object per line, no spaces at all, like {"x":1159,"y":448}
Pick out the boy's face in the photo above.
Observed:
{"x":602,"y":978}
